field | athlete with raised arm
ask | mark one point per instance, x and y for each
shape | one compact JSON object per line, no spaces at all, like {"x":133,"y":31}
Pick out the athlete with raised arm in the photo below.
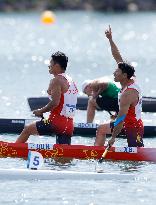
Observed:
{"x":130,"y":104}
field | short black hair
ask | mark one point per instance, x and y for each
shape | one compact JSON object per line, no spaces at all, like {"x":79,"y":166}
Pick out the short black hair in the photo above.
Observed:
{"x":61,"y":59}
{"x":127,"y":68}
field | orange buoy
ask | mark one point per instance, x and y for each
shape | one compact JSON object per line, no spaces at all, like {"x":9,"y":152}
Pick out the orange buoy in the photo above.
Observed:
{"x":48,"y":17}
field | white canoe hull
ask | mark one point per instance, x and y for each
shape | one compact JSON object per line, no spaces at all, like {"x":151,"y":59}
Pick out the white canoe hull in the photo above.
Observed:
{"x":27,"y":174}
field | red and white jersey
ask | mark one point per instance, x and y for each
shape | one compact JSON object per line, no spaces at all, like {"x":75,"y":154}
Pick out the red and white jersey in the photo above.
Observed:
{"x":133,"y":117}
{"x":68,"y":101}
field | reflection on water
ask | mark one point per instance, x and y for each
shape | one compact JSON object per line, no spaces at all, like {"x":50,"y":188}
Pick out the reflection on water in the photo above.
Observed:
{"x":130,"y":166}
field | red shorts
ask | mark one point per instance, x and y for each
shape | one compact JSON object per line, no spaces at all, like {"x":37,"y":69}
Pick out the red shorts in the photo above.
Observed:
{"x":61,"y":126}
{"x":134,"y":135}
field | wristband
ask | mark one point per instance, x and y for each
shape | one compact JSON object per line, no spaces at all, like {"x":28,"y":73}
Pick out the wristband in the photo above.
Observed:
{"x":120,"y":119}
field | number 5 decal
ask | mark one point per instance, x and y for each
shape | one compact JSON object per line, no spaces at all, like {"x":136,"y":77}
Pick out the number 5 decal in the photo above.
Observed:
{"x":36,"y":161}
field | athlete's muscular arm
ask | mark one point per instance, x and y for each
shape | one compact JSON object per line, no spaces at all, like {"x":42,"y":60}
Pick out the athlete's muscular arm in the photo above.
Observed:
{"x":55,"y":89}
{"x":115,"y":51}
{"x":125,"y":101}
{"x":98,"y":88}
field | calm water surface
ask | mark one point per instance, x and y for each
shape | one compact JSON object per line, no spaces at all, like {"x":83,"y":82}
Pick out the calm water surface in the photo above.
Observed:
{"x":25,"y":47}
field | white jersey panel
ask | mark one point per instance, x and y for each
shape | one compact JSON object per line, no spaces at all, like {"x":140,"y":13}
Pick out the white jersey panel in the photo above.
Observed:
{"x":70,"y":98}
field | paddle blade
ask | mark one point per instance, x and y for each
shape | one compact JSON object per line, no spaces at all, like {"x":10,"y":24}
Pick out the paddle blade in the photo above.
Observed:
{"x":101,"y":160}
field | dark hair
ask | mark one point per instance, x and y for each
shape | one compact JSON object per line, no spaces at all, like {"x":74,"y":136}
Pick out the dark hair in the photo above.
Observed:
{"x":61,"y":59}
{"x":127,"y":68}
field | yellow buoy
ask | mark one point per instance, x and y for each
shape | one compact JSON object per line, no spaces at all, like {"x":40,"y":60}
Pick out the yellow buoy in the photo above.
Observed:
{"x":48,"y":17}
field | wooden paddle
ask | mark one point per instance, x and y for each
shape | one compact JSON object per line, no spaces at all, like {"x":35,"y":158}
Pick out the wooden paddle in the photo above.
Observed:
{"x":104,"y":154}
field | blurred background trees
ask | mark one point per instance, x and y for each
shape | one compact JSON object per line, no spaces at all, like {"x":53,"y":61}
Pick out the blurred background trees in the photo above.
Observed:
{"x":101,"y":5}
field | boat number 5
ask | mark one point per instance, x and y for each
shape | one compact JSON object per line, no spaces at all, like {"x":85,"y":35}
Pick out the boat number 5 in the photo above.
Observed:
{"x":35,"y":160}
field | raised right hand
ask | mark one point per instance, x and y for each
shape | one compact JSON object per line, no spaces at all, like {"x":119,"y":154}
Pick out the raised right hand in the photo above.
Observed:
{"x":108,"y":33}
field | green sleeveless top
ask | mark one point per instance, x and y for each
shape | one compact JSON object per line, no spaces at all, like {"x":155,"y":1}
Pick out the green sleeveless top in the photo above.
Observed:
{"x":111,"y":91}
